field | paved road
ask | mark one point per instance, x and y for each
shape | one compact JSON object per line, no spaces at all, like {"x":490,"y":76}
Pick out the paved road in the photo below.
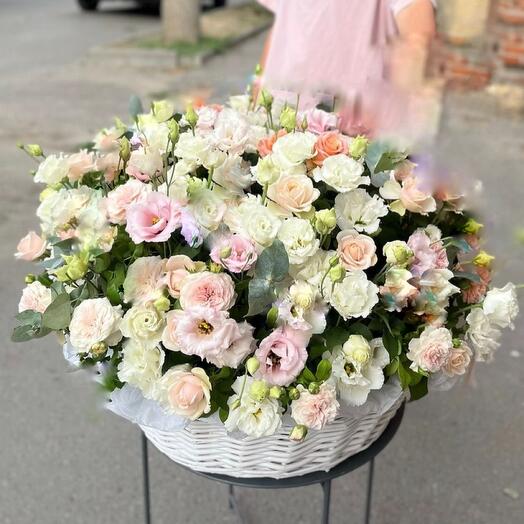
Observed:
{"x":64,"y":460}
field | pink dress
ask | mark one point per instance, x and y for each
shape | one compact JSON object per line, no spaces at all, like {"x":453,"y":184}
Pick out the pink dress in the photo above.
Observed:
{"x":327,"y":48}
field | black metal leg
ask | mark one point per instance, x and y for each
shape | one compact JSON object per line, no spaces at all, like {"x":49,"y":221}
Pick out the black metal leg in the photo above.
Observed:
{"x":233,"y":504}
{"x":367,"y":517}
{"x":326,"y":488}
{"x":145,"y":471}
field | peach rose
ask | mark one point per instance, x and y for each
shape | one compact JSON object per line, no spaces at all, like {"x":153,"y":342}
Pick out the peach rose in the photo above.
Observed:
{"x":459,"y":361}
{"x":294,"y":193}
{"x":356,"y":251}
{"x":265,"y":145}
{"x":79,"y":164}
{"x":177,"y":269}
{"x":415,"y":199}
{"x":31,"y":247}
{"x":329,"y":144}
{"x":35,"y":297}
{"x":212,"y":290}
{"x":404,"y":170}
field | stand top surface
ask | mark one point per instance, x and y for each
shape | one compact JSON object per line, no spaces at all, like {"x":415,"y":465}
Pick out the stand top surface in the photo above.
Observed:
{"x":317,"y":477}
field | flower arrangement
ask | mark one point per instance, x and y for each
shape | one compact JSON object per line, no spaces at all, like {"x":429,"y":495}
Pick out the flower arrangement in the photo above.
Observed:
{"x":252,"y":260}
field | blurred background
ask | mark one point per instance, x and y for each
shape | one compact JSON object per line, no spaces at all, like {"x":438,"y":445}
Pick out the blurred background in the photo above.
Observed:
{"x":66,"y":69}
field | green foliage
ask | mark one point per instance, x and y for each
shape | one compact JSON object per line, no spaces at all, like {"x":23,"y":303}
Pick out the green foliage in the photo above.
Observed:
{"x":323,"y":370}
{"x":380,"y":158}
{"x":57,"y":316}
{"x":30,"y":327}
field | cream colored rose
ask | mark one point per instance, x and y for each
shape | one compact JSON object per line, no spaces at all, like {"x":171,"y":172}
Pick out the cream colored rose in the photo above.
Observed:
{"x":501,"y":306}
{"x":95,"y":320}
{"x":144,"y":282}
{"x":266,"y":172}
{"x":177,"y":268}
{"x":144,"y":324}
{"x":31,"y":247}
{"x":293,"y":193}
{"x":185,"y":392}
{"x":356,"y":251}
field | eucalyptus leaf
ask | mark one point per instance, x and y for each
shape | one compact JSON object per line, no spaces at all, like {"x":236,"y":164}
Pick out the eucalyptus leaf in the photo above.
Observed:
{"x":473,"y":277}
{"x":135,"y":107}
{"x":58,"y":314}
{"x":23,"y":333}
{"x":29,"y":318}
{"x":261,"y":296}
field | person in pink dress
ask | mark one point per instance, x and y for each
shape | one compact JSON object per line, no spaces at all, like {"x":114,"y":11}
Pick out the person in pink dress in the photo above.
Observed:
{"x":363,"y":56}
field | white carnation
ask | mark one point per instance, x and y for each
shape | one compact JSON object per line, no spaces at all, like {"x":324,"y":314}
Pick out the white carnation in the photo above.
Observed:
{"x":359,"y":210}
{"x":354,"y":297}
{"x":293,"y":149}
{"x":341,"y":172}
{"x":299,"y":239}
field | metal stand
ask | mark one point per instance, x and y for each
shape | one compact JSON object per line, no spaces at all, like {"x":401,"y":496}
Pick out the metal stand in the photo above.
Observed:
{"x":321,"y":477}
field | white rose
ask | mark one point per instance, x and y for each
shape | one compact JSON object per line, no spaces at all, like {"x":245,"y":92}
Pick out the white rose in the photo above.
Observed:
{"x":432,"y":350}
{"x":208,"y":208}
{"x":184,"y":391}
{"x":95,"y":320}
{"x":193,"y":149}
{"x":141,"y":366}
{"x":156,"y":136}
{"x":293,"y":149}
{"x":359,"y":210}
{"x":52,"y":170}
{"x":144,"y":324}
{"x":501,"y":306}
{"x":35,"y":297}
{"x":341,"y":172}
{"x":357,"y":368}
{"x":299,"y":239}
{"x":482,"y":335}
{"x":253,"y":417}
{"x":354,"y":297}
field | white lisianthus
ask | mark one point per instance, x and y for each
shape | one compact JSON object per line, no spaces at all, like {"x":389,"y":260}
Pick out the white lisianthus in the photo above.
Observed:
{"x":341,"y":172}
{"x":313,"y":269}
{"x":95,"y":320}
{"x":357,"y":368}
{"x":141,"y":366}
{"x":299,"y":239}
{"x":231,"y":131}
{"x":266,"y":172}
{"x":184,"y":391}
{"x":501,"y":306}
{"x":254,"y":417}
{"x":435,"y":290}
{"x":234,"y":174}
{"x":193,"y":149}
{"x":145,"y":163}
{"x":354,"y":297}
{"x":482,"y":335}
{"x":398,"y":253}
{"x":254,"y":220}
{"x":144,"y":324}
{"x":432,"y":350}
{"x":208,"y":207}
{"x":359,"y":210}
{"x":156,"y":136}
{"x":293,"y":149}
{"x":52,"y":170}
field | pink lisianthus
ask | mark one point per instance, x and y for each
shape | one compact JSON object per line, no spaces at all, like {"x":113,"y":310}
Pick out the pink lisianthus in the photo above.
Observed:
{"x":153,"y":219}
{"x":282,"y":355}
{"x":428,"y":254}
{"x":315,"y":411}
{"x":31,"y":247}
{"x":239,"y":349}
{"x":177,"y":269}
{"x":118,"y":200}
{"x":80,"y":164}
{"x":211,"y":290}
{"x":319,"y":121}
{"x":108,"y":163}
{"x":235,"y":253}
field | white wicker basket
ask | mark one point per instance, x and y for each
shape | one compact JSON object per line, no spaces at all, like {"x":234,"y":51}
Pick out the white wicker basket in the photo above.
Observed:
{"x":205,"y":446}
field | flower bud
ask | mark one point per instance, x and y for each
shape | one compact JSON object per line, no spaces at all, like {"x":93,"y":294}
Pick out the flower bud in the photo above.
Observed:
{"x":304,"y":124}
{"x":333,"y":261}
{"x":272,"y":317}
{"x":359,"y":146}
{"x":288,"y":119}
{"x":76,"y":266}
{"x":191,"y":116}
{"x":125,"y":149}
{"x":225,"y":252}
{"x":298,"y":433}
{"x":266,"y":99}
{"x":98,"y":350}
{"x":252,"y":365}
{"x":258,"y":70}
{"x":275,"y":392}
{"x":457,"y":343}
{"x":162,"y":304}
{"x":266,"y":172}
{"x":235,"y":405}
{"x":314,"y":388}
{"x":483,"y":259}
{"x":325,"y":221}
{"x":259,"y":390}
{"x":472,"y":227}
{"x":337,"y":274}
{"x":398,"y":253}
{"x":34,"y":150}
{"x":47,"y":192}
{"x":162,"y":110}
{"x":293,"y":393}
{"x":174,"y":130}
{"x":215,"y":268}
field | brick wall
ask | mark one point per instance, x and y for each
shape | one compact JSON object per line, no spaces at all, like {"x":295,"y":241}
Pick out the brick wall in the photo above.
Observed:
{"x":480,"y":43}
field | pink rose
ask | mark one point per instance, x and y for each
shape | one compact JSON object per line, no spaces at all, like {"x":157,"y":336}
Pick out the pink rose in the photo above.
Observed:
{"x":427,"y":254}
{"x":79,"y":164}
{"x":356,"y":251}
{"x":415,"y":199}
{"x":235,"y":252}
{"x":35,"y":297}
{"x":31,"y":247}
{"x":153,"y":219}
{"x":177,"y":269}
{"x":459,"y":361}
{"x":282,"y":355}
{"x":329,"y":144}
{"x":315,"y":411}
{"x":432,"y":351}
{"x":118,"y":200}
{"x":319,"y":121}
{"x":293,"y":193}
{"x":201,"y":331}
{"x":211,"y":290}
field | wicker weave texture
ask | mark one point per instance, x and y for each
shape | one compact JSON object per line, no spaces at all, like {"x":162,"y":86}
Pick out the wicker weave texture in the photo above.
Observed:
{"x":207,"y":447}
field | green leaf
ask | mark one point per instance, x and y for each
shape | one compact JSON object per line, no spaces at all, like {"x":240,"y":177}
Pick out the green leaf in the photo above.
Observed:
{"x":102,"y":263}
{"x":29,"y":318}
{"x":58,"y":314}
{"x":392,"y":344}
{"x":360,"y":329}
{"x":389,"y":161}
{"x":404,"y":376}
{"x":261,"y":296}
{"x":135,"y":107}
{"x":392,"y":368}
{"x":23,"y":333}
{"x":379,"y":157}
{"x":323,"y":370}
{"x":223,"y":413}
{"x":306,"y":377}
{"x":473,"y":277}
{"x":417,"y":391}
{"x":336,"y":336}
{"x":460,"y":244}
